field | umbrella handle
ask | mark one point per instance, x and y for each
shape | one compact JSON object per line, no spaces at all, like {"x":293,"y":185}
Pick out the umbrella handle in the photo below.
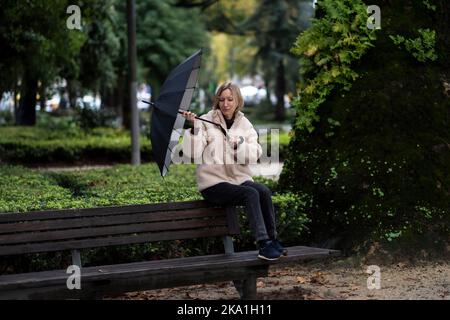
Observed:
{"x":215,"y":123}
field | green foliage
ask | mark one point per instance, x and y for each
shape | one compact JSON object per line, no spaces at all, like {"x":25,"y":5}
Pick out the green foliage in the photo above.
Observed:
{"x":123,"y":184}
{"x":377,"y":165}
{"x":291,"y":215}
{"x":66,"y":143}
{"x":422,"y":48}
{"x":6,"y":118}
{"x":327,"y":50}
{"x":26,"y":190}
{"x":283,"y":143}
{"x":101,"y":48}
{"x":166,"y":35}
{"x":291,"y":219}
{"x":23,"y":190}
{"x":275,"y":25}
{"x":36,"y":39}
{"x":88,"y":118}
{"x":428,"y":5}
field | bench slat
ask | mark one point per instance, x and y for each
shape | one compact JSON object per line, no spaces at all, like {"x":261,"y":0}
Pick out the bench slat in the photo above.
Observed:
{"x":102,"y":211}
{"x":175,"y":267}
{"x":245,"y":256}
{"x":168,"y":226}
{"x":79,"y":222}
{"x":112,"y":241}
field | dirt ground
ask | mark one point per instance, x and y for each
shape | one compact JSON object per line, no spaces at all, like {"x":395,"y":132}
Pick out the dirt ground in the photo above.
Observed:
{"x":336,"y":279}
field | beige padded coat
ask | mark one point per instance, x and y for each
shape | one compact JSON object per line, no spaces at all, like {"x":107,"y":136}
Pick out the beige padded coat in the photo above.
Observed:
{"x":217,"y":158}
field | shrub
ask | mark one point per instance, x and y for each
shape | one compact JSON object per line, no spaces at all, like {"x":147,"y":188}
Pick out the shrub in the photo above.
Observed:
{"x":88,"y":118}
{"x":39,"y":145}
{"x":6,"y":118}
{"x":26,"y":190}
{"x":377,"y":164}
{"x":283,"y":143}
{"x":23,"y":190}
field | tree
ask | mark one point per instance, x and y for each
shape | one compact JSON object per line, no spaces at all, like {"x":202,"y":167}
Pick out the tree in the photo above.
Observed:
{"x":39,"y":48}
{"x":166,"y":36}
{"x":101,"y":48}
{"x":34,"y":40}
{"x":275,"y":25}
{"x":272,"y":27}
{"x":370,"y":147}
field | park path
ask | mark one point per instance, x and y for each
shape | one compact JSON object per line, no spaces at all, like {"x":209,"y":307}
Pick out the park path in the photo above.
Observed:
{"x":339,"y":279}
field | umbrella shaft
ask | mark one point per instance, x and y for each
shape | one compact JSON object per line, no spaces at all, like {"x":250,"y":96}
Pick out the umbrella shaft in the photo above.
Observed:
{"x":217,"y":124}
{"x":181,"y":112}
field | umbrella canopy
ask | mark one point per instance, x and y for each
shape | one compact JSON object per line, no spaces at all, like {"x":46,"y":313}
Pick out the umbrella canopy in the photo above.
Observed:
{"x":167,"y":123}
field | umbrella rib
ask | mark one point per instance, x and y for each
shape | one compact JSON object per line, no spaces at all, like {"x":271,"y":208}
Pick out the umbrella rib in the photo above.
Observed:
{"x":167,"y":168}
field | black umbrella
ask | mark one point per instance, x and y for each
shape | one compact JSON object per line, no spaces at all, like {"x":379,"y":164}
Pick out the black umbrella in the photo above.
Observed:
{"x":175,"y":97}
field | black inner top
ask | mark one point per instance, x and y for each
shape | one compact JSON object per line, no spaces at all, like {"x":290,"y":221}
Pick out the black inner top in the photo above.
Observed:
{"x":229,"y":122}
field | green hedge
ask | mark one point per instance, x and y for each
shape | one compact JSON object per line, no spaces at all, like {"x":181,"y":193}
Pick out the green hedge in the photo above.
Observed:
{"x":283,"y":140}
{"x":23,"y":190}
{"x":370,"y":144}
{"x":39,"y":145}
{"x":43,"y":145}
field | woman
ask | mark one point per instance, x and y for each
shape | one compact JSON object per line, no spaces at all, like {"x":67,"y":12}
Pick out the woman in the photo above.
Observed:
{"x":223,"y":175}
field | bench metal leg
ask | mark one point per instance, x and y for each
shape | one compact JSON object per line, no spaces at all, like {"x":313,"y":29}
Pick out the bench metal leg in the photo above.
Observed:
{"x":239,"y":284}
{"x":247,"y":288}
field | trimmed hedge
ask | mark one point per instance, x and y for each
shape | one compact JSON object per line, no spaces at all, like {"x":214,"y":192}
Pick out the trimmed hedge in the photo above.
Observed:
{"x":283,"y":140}
{"x":38,"y":145}
{"x":23,"y":190}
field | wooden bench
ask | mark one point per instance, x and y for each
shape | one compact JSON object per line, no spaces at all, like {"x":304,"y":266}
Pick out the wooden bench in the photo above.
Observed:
{"x":76,"y":229}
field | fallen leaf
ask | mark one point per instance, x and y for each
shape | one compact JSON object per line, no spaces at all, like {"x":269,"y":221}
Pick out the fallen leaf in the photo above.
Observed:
{"x":318,"y":278}
{"x":301,"y":280}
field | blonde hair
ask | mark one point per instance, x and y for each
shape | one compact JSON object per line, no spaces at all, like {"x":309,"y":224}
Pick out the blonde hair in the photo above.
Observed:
{"x":235,"y":91}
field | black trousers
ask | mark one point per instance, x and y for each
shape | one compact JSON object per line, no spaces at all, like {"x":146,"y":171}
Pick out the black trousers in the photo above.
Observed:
{"x":256,"y":198}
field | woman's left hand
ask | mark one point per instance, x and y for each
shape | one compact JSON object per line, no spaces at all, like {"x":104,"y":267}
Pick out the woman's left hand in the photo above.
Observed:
{"x":236,"y":141}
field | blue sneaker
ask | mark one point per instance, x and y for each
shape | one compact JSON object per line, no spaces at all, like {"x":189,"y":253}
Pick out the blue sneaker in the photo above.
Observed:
{"x":269,"y":252}
{"x":279,"y":247}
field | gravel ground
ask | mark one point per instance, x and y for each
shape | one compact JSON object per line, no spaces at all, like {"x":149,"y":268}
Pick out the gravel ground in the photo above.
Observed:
{"x":338,"y":279}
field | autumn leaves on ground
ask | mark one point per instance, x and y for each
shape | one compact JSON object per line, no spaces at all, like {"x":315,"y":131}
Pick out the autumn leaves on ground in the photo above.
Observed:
{"x":337,"y":279}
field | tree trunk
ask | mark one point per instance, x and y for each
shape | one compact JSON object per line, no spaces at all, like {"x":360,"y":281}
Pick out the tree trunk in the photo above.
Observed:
{"x":268,"y":91}
{"x":72,"y":94}
{"x":119,"y":93}
{"x":26,"y":115}
{"x":16,"y":109}
{"x":126,"y":111}
{"x":42,"y":96}
{"x":280,"y":90}
{"x":107,"y":99}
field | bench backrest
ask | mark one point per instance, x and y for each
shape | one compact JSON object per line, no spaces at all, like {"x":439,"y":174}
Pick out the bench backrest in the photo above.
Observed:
{"x":73,"y":229}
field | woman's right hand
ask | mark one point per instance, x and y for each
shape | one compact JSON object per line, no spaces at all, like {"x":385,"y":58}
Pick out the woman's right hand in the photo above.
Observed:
{"x":190,"y":116}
